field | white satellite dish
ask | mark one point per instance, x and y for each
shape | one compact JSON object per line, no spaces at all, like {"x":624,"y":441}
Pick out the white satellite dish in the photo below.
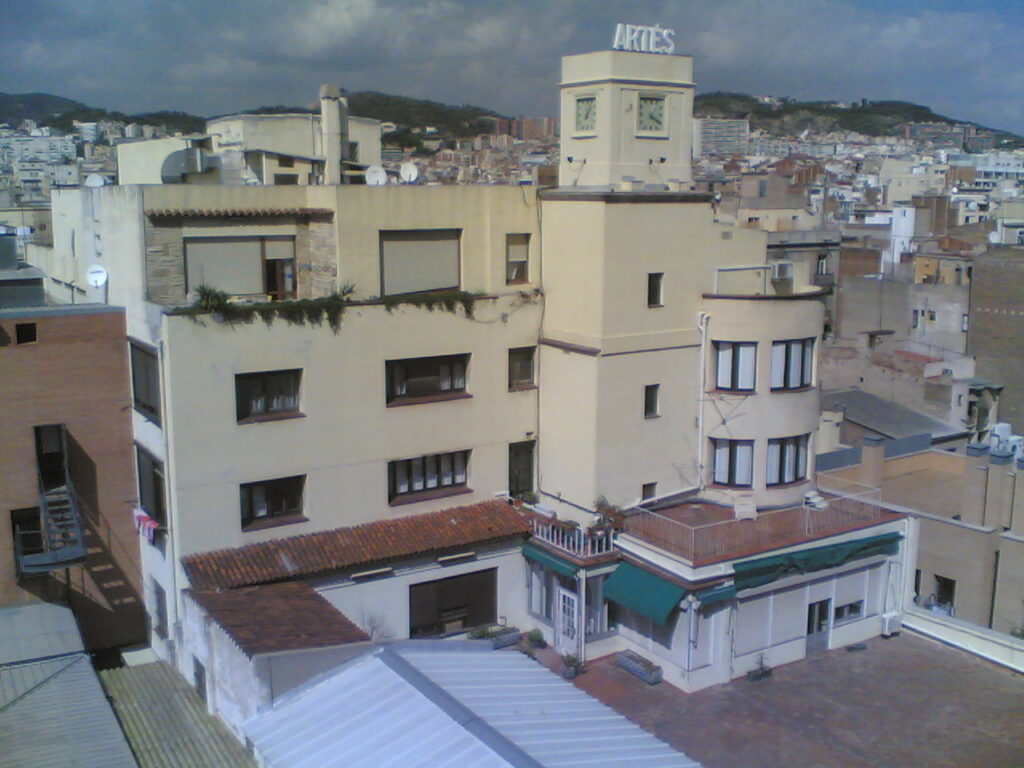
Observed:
{"x":96,"y":275}
{"x":954,"y":190}
{"x":95,"y":180}
{"x":409,"y":172}
{"x":376,"y":176}
{"x":993,"y":237}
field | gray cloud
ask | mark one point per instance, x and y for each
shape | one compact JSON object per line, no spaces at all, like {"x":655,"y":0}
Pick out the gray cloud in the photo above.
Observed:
{"x":214,"y":57}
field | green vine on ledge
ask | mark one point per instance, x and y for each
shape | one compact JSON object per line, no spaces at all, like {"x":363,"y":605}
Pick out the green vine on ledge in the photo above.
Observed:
{"x":315,"y":311}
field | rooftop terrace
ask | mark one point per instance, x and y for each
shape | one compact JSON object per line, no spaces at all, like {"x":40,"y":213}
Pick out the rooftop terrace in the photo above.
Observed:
{"x":703,"y":533}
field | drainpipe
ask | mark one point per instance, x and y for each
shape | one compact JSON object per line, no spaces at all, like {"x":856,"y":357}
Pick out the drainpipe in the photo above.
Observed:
{"x":581,"y":590}
{"x":702,"y":323}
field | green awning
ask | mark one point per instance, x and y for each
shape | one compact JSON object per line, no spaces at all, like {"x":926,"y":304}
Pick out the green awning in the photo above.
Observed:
{"x":755,"y":573}
{"x":643,"y":592}
{"x":548,"y":560}
{"x":718,"y":594}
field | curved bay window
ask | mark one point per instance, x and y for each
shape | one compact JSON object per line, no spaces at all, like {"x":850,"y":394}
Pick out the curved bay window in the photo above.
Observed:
{"x":734,"y":462}
{"x":792,"y":364}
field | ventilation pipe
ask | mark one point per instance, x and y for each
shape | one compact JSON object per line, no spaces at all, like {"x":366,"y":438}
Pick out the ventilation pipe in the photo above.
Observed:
{"x":334,"y":130}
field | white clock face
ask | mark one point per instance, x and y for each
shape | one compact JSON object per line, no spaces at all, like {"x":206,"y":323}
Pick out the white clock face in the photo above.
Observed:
{"x":586,"y":113}
{"x":651,"y":113}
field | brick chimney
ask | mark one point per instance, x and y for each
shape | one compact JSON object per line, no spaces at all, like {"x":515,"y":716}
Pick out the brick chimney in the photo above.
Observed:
{"x":872,"y":460}
{"x":997,"y":495}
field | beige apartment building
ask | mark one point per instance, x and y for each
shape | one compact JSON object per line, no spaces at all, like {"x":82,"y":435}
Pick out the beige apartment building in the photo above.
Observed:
{"x":384,"y":361}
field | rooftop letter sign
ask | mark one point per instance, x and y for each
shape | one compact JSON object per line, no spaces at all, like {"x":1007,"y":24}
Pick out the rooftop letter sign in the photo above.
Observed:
{"x":630,"y":37}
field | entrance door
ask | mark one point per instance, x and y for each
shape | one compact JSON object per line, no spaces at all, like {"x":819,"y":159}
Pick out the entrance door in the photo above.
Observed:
{"x":51,"y":456}
{"x":567,"y":622}
{"x":818,"y":621}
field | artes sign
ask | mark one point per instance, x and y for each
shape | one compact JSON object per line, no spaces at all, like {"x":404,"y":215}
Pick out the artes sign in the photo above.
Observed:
{"x":630,"y":37}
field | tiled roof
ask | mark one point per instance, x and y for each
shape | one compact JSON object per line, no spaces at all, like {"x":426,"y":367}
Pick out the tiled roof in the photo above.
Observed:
{"x":167,"y":723}
{"x":327,"y":551}
{"x":289,"y":616}
{"x":219,"y":213}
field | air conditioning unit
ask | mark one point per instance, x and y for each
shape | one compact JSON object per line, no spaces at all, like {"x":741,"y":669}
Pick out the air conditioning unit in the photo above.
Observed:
{"x":744,"y":507}
{"x":1002,"y":430}
{"x":782,"y":270}
{"x":891,"y":624}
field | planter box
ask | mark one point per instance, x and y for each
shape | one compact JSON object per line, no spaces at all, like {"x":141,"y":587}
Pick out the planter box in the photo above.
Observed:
{"x":509,"y":636}
{"x":639,"y":666}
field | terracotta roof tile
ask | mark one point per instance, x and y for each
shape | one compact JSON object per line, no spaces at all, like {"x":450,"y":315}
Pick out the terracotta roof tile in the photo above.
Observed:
{"x":210,"y":213}
{"x":326,"y":551}
{"x":278,"y":617}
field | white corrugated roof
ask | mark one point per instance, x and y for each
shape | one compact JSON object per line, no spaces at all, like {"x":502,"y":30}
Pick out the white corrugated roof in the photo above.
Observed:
{"x":450,"y":704}
{"x":364,"y":716}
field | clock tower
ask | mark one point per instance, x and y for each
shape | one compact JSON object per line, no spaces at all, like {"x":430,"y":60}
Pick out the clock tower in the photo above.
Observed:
{"x":626,"y":120}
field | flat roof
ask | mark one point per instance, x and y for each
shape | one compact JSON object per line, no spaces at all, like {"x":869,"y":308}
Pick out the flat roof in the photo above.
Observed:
{"x":56,"y":310}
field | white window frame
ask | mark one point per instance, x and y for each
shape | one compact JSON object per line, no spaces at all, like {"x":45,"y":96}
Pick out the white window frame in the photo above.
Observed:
{"x":735,"y":366}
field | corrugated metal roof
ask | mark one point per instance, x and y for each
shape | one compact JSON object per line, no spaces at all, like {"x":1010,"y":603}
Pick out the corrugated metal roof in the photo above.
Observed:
{"x":52,"y":709}
{"x":37,"y":630}
{"x":167,"y":723}
{"x":364,"y":716}
{"x":424,"y":703}
{"x":886,"y":417}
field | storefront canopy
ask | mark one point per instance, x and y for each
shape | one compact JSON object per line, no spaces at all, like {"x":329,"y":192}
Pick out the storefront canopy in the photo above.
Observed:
{"x":643,"y":592}
{"x":755,"y":573}
{"x":548,"y":560}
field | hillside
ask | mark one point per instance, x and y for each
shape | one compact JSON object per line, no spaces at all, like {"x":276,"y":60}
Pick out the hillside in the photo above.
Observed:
{"x":15,"y":107}
{"x":873,"y":118}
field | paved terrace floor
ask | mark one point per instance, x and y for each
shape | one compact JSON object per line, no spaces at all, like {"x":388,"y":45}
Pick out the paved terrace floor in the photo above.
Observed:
{"x":905,"y":702}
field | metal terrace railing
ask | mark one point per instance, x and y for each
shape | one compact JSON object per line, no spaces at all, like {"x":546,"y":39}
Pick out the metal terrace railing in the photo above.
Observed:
{"x":837,"y":511}
{"x":571,"y":538}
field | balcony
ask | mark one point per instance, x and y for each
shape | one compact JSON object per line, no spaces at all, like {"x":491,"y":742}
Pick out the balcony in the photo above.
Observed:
{"x":703,"y":533}
{"x":569,"y":539}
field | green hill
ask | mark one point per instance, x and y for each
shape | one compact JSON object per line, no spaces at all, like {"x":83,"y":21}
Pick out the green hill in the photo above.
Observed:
{"x":15,"y":107}
{"x":873,"y":118}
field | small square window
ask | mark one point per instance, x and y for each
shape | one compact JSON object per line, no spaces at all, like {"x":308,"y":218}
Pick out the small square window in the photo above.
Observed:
{"x":648,"y":491}
{"x":271,"y":498}
{"x":25,"y":333}
{"x":654,"y":284}
{"x":651,"y":401}
{"x":931,"y":315}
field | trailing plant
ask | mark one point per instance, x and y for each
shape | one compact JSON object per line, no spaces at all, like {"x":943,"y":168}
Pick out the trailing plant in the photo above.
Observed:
{"x":329,"y":309}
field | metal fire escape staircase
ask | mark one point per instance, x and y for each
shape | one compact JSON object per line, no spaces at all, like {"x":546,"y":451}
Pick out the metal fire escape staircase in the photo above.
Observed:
{"x":60,"y":536}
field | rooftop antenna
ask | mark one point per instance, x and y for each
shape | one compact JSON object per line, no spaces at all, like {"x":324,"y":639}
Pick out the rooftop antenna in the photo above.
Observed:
{"x":376,"y":176}
{"x":409,"y":172}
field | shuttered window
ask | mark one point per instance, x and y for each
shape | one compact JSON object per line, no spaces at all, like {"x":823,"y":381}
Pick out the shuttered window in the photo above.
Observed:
{"x":244,"y":266}
{"x":417,"y":260}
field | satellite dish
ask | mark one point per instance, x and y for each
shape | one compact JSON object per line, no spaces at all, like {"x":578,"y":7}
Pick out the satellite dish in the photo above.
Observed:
{"x":96,"y":275}
{"x":954,"y":190}
{"x":409,"y":172}
{"x":376,"y":176}
{"x":95,"y":180}
{"x":993,"y":237}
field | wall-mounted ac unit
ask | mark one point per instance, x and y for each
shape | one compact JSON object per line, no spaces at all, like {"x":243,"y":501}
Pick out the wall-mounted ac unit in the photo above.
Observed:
{"x":891,"y":624}
{"x":782,"y":270}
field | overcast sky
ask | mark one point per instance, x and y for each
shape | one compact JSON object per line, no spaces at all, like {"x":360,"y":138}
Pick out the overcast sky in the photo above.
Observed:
{"x":963,"y":59}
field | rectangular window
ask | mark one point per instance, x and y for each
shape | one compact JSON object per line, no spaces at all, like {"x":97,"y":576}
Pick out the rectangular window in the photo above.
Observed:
{"x":651,"y":392}
{"x":145,"y":381}
{"x":286,"y":162}
{"x":242,"y":266}
{"x":25,"y":333}
{"x":787,"y":460}
{"x":271,"y":498}
{"x":151,"y":485}
{"x":913,"y":318}
{"x":286,"y":179}
{"x":199,"y":676}
{"x":520,"y":367}
{"x":822,"y":266}
{"x":418,"y":260}
{"x":792,"y":363}
{"x":654,"y":283}
{"x":517,"y":258}
{"x":648,"y":491}
{"x":442,"y":471}
{"x":733,"y":462}
{"x":520,"y":468}
{"x":267,"y":394}
{"x":849,"y":612}
{"x":159,"y":617}
{"x":453,"y":605}
{"x":931,"y":315}
{"x":945,"y":590}
{"x":736,"y":364}
{"x":425,"y":377}
{"x":964,"y":322}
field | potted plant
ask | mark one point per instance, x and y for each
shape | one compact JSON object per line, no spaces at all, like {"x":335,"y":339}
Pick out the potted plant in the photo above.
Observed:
{"x":636,"y":664}
{"x":536,"y":638}
{"x":572,"y":665}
